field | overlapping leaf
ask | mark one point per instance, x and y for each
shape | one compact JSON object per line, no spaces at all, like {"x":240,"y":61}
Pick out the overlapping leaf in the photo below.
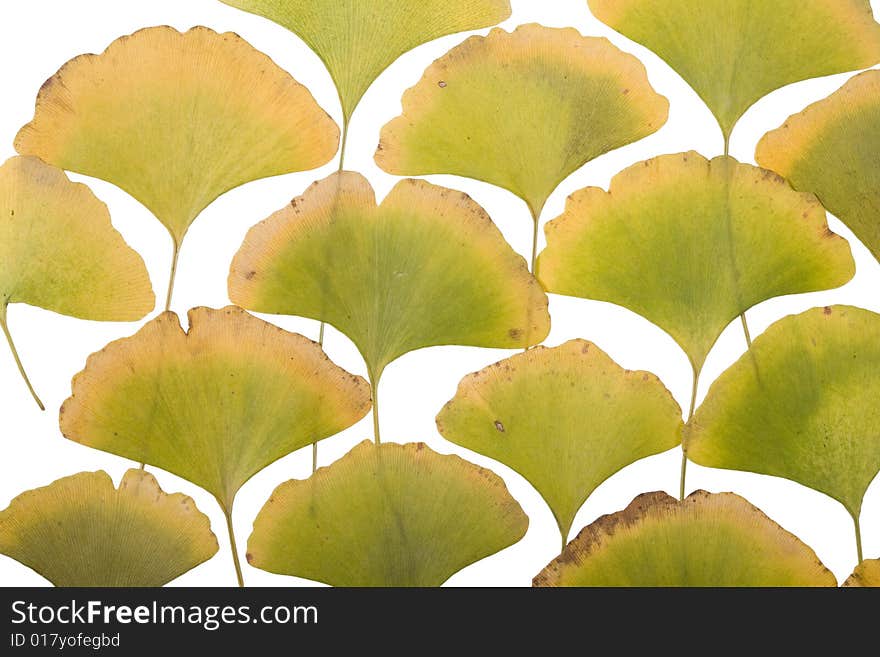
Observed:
{"x":81,"y":531}
{"x":178,"y":119}
{"x":734,"y":52}
{"x":426,"y":267}
{"x":215,"y":405}
{"x":59,"y":251}
{"x":358,"y":39}
{"x":802,"y":405}
{"x":522,"y":110}
{"x":867,"y":574}
{"x":690,"y":244}
{"x":386,"y":515}
{"x":704,"y":540}
{"x":565,"y":418}
{"x":831,"y":149}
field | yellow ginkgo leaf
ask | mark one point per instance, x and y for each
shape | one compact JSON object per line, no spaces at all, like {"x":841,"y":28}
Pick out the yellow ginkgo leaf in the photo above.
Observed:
{"x":831,"y":149}
{"x":735,"y":52}
{"x":59,"y":251}
{"x":81,"y":531}
{"x":386,"y":515}
{"x":690,"y":244}
{"x":867,"y":574}
{"x":802,"y":405}
{"x":215,"y":405}
{"x":358,"y":39}
{"x":522,"y":111}
{"x":176,"y":120}
{"x":565,"y":418}
{"x":705,"y":540}
{"x":426,"y":267}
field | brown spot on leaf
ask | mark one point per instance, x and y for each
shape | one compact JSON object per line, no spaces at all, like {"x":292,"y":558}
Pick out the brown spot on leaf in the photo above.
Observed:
{"x":499,"y":426}
{"x":515,"y":333}
{"x":250,"y":275}
{"x":827,"y":310}
{"x":442,"y":84}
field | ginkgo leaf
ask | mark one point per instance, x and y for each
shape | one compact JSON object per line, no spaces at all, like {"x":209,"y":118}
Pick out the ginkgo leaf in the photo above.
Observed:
{"x":215,"y":405}
{"x":522,"y":110}
{"x":867,"y":574}
{"x":565,"y":418}
{"x":59,"y":251}
{"x":81,"y":531}
{"x":691,"y":244}
{"x":705,"y":540}
{"x":358,"y":39}
{"x":802,"y":405}
{"x":386,"y":515}
{"x":831,"y":149}
{"x":176,"y":120}
{"x":426,"y":267}
{"x":735,"y":52}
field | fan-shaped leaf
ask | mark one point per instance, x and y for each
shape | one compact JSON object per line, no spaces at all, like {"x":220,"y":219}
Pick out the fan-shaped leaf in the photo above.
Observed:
{"x":59,"y":251}
{"x":522,"y":110}
{"x":734,"y":52}
{"x":426,"y":267}
{"x":565,"y":418}
{"x":215,"y":405}
{"x":81,"y":531}
{"x":831,"y":149}
{"x":867,"y":574}
{"x":691,"y":244}
{"x":704,"y":540}
{"x":178,"y":119}
{"x":801,"y":405}
{"x":386,"y":515}
{"x":358,"y":39}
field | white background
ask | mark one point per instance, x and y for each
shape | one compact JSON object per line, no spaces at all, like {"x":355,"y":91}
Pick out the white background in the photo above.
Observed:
{"x":37,"y":36}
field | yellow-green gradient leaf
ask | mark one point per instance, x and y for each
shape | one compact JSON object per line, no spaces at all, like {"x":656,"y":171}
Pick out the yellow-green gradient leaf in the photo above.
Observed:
{"x":801,"y":405}
{"x":358,"y":39}
{"x":735,"y":52}
{"x":59,"y":251}
{"x":831,"y":149}
{"x":215,"y":405}
{"x":691,"y":244}
{"x":426,"y":267}
{"x":522,"y":110}
{"x":565,"y":418}
{"x":178,"y":119}
{"x":386,"y":515}
{"x":867,"y":574}
{"x":81,"y":531}
{"x":704,"y":540}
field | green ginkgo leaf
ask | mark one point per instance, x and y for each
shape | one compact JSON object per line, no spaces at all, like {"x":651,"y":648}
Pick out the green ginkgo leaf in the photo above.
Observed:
{"x":522,"y":111}
{"x":565,"y":418}
{"x":705,"y":540}
{"x":802,"y":405}
{"x":691,"y":244}
{"x":59,"y":251}
{"x":426,"y":267}
{"x":831,"y":149}
{"x":867,"y":574}
{"x":386,"y":515}
{"x":735,"y":52}
{"x":358,"y":39}
{"x":176,"y":120}
{"x":215,"y":405}
{"x":81,"y":531}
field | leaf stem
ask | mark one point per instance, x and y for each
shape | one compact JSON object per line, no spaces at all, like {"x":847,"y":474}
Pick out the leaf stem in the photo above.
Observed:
{"x":684,"y":458}
{"x":174,"y":258}
{"x":232,"y":545}
{"x":745,"y":325}
{"x":5,"y":326}
{"x":535,"y":225}
{"x":858,"y":539}
{"x":374,"y":385}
